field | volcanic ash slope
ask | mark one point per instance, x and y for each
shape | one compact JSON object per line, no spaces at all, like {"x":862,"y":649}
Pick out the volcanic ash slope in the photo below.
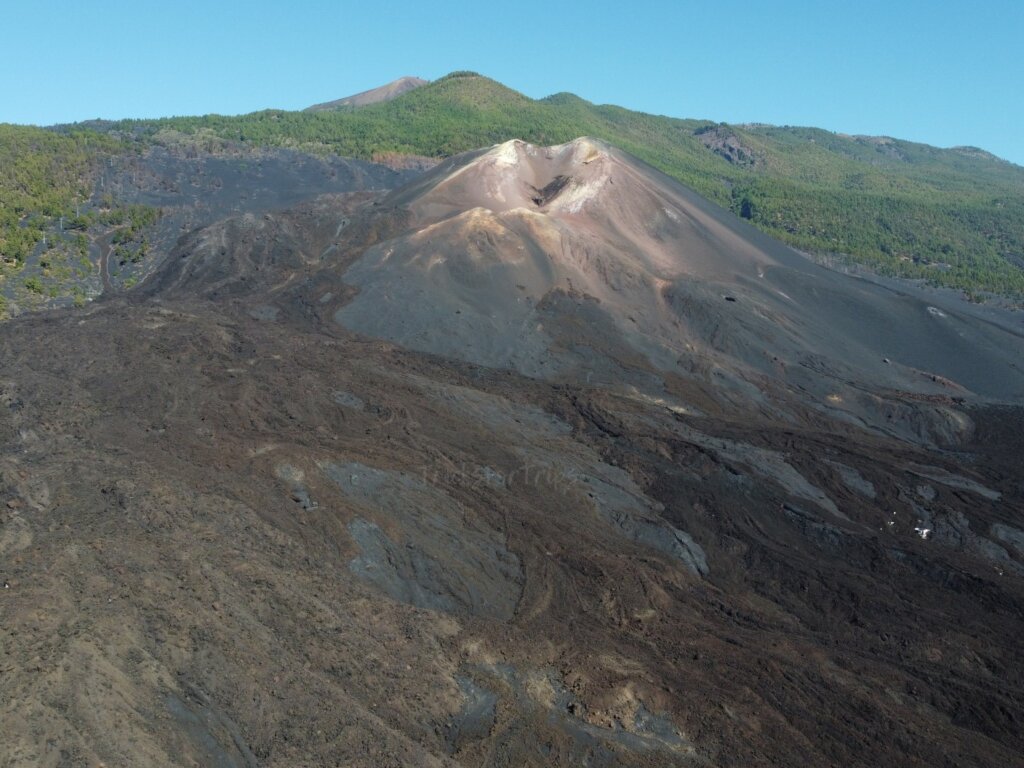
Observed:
{"x":580,"y":262}
{"x":235,"y":533}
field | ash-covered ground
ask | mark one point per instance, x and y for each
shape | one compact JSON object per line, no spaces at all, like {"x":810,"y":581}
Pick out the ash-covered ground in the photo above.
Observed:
{"x":536,"y":460}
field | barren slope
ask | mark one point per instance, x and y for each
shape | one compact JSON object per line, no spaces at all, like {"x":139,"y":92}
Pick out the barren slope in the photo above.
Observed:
{"x":490,"y":470}
{"x":384,"y":92}
{"x":507,"y":249}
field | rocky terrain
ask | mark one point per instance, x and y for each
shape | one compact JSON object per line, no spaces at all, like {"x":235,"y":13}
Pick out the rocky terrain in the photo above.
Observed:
{"x":536,"y":458}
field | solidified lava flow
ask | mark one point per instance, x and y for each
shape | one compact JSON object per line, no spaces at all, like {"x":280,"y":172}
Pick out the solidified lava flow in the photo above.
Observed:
{"x":533,"y":458}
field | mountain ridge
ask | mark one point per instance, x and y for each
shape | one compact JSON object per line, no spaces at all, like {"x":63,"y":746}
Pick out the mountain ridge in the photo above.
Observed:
{"x":385,"y":92}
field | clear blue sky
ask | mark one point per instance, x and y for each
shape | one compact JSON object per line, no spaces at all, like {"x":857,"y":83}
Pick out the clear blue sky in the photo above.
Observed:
{"x":945,"y":73}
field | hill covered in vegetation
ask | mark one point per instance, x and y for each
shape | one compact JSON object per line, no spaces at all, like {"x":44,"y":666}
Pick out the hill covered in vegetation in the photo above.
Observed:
{"x":954,"y":217}
{"x":42,"y":175}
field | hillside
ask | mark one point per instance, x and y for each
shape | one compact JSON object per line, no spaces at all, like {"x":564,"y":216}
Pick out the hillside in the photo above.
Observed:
{"x":953,"y":217}
{"x":45,"y":178}
{"x":535,"y":459}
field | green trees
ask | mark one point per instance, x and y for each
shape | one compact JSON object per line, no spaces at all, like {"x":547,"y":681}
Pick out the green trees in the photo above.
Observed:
{"x":42,"y":173}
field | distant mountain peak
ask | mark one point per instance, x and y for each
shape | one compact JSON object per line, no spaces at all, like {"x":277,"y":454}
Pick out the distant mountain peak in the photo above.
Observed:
{"x":385,"y":92}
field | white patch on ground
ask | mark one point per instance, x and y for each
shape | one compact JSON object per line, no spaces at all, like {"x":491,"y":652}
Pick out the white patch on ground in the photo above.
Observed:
{"x":523,"y":212}
{"x":580,"y":193}
{"x":501,"y":157}
{"x":585,"y":151}
{"x":936,"y":311}
{"x":506,"y":155}
{"x":673,"y":407}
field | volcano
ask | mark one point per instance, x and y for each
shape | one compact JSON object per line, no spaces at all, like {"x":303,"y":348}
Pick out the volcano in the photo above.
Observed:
{"x":536,"y":459}
{"x":497,"y":236}
{"x":385,"y":92}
